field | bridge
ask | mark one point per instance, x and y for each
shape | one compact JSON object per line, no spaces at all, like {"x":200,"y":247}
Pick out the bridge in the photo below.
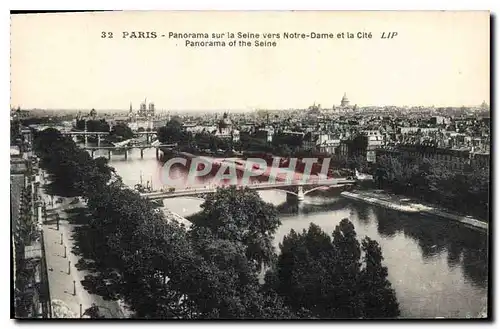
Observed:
{"x":95,"y":133}
{"x":294,"y":188}
{"x":83,"y":133}
{"x":74,"y":134}
{"x":149,"y":134}
{"x":128,"y":146}
{"x":86,"y":134}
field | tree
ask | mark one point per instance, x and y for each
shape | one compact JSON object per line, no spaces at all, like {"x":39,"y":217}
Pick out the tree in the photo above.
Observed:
{"x":172,"y":132}
{"x":301,"y":268}
{"x":358,"y":162}
{"x":294,"y":141}
{"x":77,"y":173}
{"x":240,"y":215}
{"x":122,"y":131}
{"x":324,"y":277}
{"x":358,"y":145}
{"x":225,"y":283}
{"x":93,"y":125}
{"x":154,"y":264}
{"x":97,"y":125}
{"x":379,"y":299}
{"x":93,"y":312}
{"x":465,"y":190}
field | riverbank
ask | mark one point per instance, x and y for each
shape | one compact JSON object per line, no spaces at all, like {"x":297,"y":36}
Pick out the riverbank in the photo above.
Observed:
{"x":407,"y":205}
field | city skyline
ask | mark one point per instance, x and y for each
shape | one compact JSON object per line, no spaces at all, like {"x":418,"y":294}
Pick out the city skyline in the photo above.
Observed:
{"x":438,"y":59}
{"x":322,"y":106}
{"x":137,"y":107}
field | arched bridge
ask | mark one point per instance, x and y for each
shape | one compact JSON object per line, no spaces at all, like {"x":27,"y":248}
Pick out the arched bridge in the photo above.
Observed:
{"x":295,"y":188}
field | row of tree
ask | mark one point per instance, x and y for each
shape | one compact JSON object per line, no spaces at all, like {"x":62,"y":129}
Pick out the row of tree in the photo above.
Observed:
{"x":173,"y":132}
{"x":93,"y":125}
{"x":73,"y":171}
{"x":118,"y":132}
{"x":465,"y":190}
{"x":163,"y":270}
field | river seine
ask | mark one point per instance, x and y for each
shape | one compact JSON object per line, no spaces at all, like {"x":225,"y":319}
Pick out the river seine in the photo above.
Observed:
{"x":438,"y":269}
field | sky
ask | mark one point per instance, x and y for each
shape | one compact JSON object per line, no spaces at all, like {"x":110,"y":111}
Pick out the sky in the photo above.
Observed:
{"x":60,"y":61}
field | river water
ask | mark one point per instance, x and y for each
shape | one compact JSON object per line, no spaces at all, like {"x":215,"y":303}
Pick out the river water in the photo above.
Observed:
{"x":438,"y":268}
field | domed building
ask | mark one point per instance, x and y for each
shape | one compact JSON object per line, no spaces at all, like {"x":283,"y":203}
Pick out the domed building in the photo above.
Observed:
{"x":345,"y":101}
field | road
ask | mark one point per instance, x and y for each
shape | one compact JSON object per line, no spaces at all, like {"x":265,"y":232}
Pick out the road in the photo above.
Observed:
{"x":65,"y":280}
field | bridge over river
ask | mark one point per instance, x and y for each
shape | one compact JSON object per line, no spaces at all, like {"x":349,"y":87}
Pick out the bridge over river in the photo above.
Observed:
{"x":127,"y":145}
{"x":437,"y":268}
{"x":294,"y":188}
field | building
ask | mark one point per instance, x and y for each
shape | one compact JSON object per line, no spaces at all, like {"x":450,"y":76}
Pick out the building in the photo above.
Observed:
{"x":265,"y":134}
{"x":92,"y":115}
{"x":420,"y":130}
{"x":143,"y":119}
{"x":145,"y":110}
{"x":31,"y":291}
{"x":345,"y":101}
{"x":226,"y":130}
{"x":157,"y":123}
{"x":440,"y":120}
{"x":327,"y":143}
{"x":480,"y":159}
{"x":140,"y":125}
{"x":453,"y":159}
{"x":19,"y":114}
{"x":309,"y":141}
{"x":375,"y":140}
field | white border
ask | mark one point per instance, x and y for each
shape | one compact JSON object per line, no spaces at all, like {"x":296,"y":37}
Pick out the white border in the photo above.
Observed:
{"x":199,"y":5}
{"x":257,"y":5}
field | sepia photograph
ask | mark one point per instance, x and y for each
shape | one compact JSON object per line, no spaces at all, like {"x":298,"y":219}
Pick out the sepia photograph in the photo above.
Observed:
{"x":250,"y":165}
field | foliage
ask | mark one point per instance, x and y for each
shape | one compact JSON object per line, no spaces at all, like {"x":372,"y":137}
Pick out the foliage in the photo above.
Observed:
{"x":327,"y":277}
{"x":93,"y":125}
{"x":465,"y":190}
{"x":121,"y":131}
{"x":207,"y":140}
{"x":172,"y":132}
{"x":357,"y":145}
{"x":294,"y":141}
{"x":158,"y":268}
{"x":240,"y":215}
{"x":41,"y":120}
{"x":77,"y":172}
{"x":161,"y":270}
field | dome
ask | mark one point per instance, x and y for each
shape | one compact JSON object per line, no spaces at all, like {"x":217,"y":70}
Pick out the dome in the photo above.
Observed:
{"x":344,"y":101}
{"x":225,"y":122}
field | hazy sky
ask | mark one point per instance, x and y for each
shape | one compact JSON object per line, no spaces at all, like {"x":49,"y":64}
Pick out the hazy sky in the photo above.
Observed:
{"x":437,"y":58}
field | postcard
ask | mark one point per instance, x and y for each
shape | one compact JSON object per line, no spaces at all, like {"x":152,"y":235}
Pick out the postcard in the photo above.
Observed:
{"x":250,"y":165}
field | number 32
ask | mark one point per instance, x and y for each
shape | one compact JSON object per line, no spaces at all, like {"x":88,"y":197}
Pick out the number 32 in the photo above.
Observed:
{"x":108,"y":35}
